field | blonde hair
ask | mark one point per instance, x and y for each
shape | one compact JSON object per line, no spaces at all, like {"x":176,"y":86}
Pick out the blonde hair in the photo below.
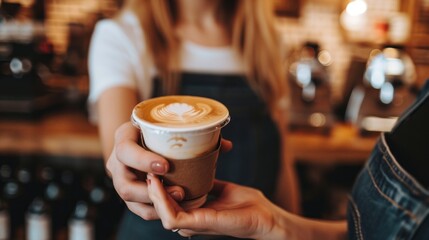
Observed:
{"x":250,"y":25}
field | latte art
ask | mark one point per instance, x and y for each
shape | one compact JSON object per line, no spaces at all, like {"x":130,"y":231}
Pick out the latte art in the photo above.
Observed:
{"x":177,"y":113}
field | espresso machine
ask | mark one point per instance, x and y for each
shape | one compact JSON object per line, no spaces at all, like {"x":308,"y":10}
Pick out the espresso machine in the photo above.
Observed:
{"x":311,"y":108}
{"x":387,"y":89}
{"x":24,"y":54}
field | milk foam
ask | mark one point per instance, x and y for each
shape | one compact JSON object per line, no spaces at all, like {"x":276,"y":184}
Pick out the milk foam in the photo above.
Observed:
{"x":180,"y":127}
{"x":178,"y":113}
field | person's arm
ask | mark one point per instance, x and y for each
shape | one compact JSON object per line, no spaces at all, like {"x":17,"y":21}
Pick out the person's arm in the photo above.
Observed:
{"x":113,"y":94}
{"x":114,"y":108}
{"x":289,"y":199}
{"x":297,"y":227}
{"x":240,"y":212}
{"x":287,"y":194}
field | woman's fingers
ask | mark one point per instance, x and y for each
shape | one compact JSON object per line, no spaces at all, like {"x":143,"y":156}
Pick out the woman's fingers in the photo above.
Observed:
{"x":132,"y":187}
{"x":145,"y":211}
{"x":127,"y":184}
{"x":135,"y":194}
{"x":174,"y":217}
{"x":136,"y":157}
{"x":165,"y":207}
{"x":127,"y":130}
{"x":171,"y":214}
{"x":133,"y":155}
{"x":129,"y":163}
{"x":225,"y":145}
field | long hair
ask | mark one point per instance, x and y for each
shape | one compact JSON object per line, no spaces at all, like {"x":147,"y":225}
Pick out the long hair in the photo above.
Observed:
{"x":250,"y":27}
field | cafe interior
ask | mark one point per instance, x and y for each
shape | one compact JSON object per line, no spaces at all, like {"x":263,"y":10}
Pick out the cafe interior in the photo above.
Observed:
{"x":353,"y":66}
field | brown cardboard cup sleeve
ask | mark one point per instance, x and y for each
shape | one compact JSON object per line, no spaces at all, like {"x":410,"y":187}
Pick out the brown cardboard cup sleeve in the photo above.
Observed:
{"x":194,"y":175}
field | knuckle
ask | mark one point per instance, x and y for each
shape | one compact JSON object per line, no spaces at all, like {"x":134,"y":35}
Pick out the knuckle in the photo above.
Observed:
{"x":168,"y":224}
{"x":125,"y":193}
{"x":259,"y":194}
{"x":143,"y":211}
{"x":109,"y":164}
{"x":147,"y":215}
{"x":120,"y":148}
{"x":118,"y":132}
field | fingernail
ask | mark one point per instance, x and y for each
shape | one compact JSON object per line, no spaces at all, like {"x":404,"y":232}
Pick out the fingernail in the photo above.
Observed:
{"x":158,"y":167}
{"x":148,"y":181}
{"x":176,"y":195}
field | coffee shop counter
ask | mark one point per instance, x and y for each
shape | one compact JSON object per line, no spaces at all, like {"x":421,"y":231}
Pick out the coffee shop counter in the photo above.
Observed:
{"x":68,"y":133}
{"x":343,"y":145}
{"x":60,"y":133}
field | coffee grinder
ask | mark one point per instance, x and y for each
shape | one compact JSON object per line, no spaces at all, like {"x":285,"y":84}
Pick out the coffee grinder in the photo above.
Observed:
{"x":387,"y":89}
{"x":311,"y":108}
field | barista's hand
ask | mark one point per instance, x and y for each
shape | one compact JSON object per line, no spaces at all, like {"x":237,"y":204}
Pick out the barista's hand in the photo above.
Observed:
{"x":236,"y":211}
{"x":128,"y":165}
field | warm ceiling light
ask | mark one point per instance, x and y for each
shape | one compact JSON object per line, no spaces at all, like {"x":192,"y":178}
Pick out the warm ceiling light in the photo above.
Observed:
{"x":356,"y":7}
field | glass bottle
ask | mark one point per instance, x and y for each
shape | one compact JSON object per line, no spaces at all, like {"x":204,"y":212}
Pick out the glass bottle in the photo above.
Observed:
{"x":38,"y":221}
{"x":80,"y":224}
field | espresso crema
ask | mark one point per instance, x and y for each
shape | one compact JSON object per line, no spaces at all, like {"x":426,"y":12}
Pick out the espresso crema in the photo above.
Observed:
{"x":181,"y":112}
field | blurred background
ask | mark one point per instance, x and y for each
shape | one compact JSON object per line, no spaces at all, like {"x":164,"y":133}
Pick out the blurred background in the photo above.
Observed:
{"x":353,"y":67}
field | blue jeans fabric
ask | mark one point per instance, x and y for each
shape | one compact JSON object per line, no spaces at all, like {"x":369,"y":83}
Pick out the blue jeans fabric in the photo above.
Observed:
{"x":254,"y":160}
{"x":386,"y":201}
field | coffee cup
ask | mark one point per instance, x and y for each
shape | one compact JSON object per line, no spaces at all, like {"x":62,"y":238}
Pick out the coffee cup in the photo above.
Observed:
{"x":186,"y":131}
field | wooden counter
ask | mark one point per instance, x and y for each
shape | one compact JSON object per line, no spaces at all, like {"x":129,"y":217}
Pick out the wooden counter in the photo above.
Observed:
{"x":65,"y":133}
{"x":69,"y":133}
{"x":343,"y":145}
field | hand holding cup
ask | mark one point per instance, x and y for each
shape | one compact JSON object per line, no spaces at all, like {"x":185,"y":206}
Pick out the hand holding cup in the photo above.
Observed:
{"x":186,"y":131}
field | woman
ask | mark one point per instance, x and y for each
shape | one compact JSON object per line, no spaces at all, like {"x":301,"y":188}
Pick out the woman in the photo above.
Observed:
{"x":226,"y":50}
{"x":389,"y":200}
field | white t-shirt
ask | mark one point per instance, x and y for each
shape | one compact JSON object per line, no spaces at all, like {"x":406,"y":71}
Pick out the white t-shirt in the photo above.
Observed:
{"x":117,"y":58}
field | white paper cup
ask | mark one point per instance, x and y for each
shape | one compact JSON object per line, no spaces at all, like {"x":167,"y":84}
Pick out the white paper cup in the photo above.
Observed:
{"x":180,"y":127}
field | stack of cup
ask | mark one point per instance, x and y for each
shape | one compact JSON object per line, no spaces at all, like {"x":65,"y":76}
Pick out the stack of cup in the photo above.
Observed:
{"x":186,"y":130}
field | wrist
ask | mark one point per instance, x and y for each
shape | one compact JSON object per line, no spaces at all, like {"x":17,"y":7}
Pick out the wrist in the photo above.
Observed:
{"x":282,"y":224}
{"x":290,"y":226}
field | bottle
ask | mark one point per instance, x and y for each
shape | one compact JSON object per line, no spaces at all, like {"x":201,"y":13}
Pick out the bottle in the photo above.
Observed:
{"x":80,"y":224}
{"x":71,"y":191}
{"x":38,"y":221}
{"x":45,"y":174}
{"x":54,"y":196}
{"x":98,"y":199}
{"x":26,"y":193}
{"x":4,"y":221}
{"x":5,"y":226}
{"x":12,"y":193}
{"x":25,"y":175}
{"x":5,"y":172}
